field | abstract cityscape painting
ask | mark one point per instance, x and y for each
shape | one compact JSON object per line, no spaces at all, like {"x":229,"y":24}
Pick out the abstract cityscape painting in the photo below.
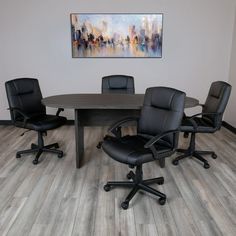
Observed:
{"x":116,"y":35}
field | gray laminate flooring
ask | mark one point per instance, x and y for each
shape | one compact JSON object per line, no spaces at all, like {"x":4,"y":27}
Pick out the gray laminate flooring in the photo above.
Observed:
{"x":55,"y":198}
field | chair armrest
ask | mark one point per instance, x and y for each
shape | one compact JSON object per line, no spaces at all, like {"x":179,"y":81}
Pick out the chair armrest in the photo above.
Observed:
{"x":191,"y":118}
{"x":115,"y":128}
{"x":152,"y":141}
{"x":23,"y":114}
{"x":202,"y":113}
{"x":20,"y":112}
{"x":59,"y":111}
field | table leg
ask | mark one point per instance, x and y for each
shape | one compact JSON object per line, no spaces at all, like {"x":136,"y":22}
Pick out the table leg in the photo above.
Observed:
{"x":79,"y":139}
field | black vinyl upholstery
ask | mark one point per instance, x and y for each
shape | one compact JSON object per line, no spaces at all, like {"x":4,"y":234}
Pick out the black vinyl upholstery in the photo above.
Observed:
{"x":25,"y":95}
{"x":212,"y":111}
{"x":123,"y":84}
{"x":120,"y":84}
{"x":162,"y":111}
{"x":27,"y":111}
{"x":42,"y":122}
{"x":208,"y":121}
{"x":156,"y":138}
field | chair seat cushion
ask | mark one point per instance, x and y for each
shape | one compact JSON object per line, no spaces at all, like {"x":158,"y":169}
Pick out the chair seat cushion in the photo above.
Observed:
{"x":203,"y":126}
{"x":43,"y":122}
{"x":130,"y":149}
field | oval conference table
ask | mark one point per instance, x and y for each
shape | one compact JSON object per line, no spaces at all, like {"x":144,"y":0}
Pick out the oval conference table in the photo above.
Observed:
{"x":99,"y":110}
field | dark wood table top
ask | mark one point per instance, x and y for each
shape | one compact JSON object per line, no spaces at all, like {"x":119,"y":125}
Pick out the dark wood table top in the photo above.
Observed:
{"x":102,"y":101}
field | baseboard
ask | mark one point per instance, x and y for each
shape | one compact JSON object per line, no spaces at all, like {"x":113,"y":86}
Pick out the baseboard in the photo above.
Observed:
{"x":5,"y":122}
{"x":9,"y":122}
{"x":71,"y":122}
{"x":229,"y":127}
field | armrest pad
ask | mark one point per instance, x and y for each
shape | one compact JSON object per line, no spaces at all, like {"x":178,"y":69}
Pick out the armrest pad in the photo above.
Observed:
{"x":153,"y":140}
{"x":191,"y":118}
{"x":23,"y":114}
{"x":114,"y":128}
{"x":59,"y":111}
{"x":20,"y":112}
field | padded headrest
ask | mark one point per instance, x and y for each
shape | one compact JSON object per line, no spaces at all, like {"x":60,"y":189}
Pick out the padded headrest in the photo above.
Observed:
{"x":21,"y":87}
{"x":118,"y":82}
{"x":216,"y":89}
{"x":162,"y":98}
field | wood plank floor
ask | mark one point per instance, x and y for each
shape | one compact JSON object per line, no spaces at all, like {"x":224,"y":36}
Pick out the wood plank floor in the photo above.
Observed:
{"x":55,"y":198}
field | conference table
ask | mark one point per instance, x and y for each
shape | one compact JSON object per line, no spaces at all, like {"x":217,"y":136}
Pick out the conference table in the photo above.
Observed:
{"x":99,"y":110}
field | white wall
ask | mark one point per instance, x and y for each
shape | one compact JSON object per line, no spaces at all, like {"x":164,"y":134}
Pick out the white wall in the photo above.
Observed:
{"x":230,"y":114}
{"x":35,"y":42}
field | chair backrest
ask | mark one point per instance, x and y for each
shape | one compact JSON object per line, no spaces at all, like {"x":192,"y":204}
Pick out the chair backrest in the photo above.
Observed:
{"x":118,"y":84}
{"x":216,"y":102}
{"x":24,"y":94}
{"x":162,"y":111}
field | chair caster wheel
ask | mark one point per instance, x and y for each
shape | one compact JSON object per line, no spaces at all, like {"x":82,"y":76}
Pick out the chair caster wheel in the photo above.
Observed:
{"x":206,"y":166}
{"x":107,"y":187}
{"x":18,"y":155}
{"x":129,"y":175}
{"x":214,"y":156}
{"x":186,"y":135}
{"x":60,"y":155}
{"x":161,"y":182}
{"x":56,"y":145}
{"x":125,"y":205}
{"x":35,"y":162}
{"x":162,"y":201}
{"x":175,"y":162}
{"x":33,"y":146}
{"x":99,"y":145}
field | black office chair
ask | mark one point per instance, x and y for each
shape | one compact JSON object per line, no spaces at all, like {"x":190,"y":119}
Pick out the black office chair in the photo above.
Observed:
{"x":209,"y":121}
{"x":157,"y":138}
{"x":27,"y":111}
{"x":123,"y":84}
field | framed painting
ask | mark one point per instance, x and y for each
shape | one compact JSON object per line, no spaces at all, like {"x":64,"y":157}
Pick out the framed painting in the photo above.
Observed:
{"x":116,"y":35}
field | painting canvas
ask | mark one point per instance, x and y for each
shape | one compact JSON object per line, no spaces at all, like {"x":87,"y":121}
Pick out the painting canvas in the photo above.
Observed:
{"x":116,"y":35}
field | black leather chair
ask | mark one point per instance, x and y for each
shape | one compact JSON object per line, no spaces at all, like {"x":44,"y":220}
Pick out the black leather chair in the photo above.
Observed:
{"x":118,"y":84}
{"x":157,"y":138}
{"x":121,"y":84}
{"x":209,"y":121}
{"x":27,"y":111}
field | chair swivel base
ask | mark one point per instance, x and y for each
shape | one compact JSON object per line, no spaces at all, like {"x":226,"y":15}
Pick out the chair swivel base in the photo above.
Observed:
{"x":39,"y":151}
{"x":40,"y":148}
{"x":194,"y":153}
{"x":136,"y":184}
